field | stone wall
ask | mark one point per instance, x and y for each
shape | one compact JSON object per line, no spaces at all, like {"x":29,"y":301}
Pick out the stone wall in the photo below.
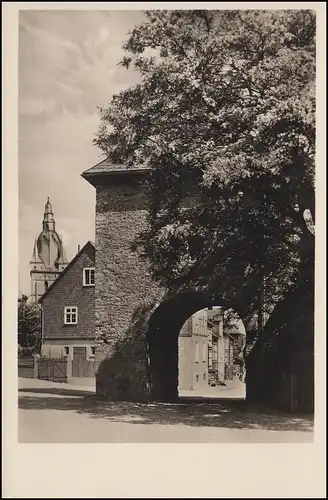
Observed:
{"x":280,"y":368}
{"x":125,"y":294}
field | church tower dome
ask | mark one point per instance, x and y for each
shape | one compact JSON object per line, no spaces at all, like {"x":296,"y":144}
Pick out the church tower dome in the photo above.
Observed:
{"x":49,"y":258}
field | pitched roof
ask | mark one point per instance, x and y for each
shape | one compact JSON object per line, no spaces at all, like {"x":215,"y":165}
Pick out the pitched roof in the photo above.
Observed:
{"x":107,"y":168}
{"x":64,"y":271}
{"x":105,"y":165}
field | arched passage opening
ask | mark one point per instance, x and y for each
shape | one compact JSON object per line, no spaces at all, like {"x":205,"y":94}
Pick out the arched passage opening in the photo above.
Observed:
{"x":180,"y":333}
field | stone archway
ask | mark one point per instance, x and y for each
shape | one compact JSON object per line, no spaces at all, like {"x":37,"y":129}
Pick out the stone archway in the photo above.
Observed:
{"x":131,"y":311}
{"x":162,"y":339}
{"x":130,"y":308}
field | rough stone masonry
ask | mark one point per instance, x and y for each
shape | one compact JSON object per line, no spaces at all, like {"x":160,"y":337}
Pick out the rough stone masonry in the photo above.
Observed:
{"x":124,"y":292}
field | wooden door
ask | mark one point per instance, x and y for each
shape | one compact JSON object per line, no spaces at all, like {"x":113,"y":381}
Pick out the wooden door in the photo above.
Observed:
{"x":79,"y":360}
{"x":80,"y":354}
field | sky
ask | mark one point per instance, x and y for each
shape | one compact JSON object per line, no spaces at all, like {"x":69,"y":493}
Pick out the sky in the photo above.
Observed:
{"x":68,"y":66}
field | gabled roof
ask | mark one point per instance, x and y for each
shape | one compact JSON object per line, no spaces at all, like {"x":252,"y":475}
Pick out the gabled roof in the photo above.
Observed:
{"x":64,"y":271}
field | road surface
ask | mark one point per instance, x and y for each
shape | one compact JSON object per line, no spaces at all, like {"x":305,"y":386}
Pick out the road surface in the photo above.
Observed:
{"x":63,"y":413}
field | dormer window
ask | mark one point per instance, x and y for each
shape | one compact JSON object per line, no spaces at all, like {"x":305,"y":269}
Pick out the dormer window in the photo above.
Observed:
{"x":88,"y":276}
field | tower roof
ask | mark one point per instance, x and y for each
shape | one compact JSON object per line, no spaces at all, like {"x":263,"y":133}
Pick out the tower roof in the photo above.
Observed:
{"x":35,"y":256}
{"x":48,"y":246}
{"x":62,"y":258}
{"x":48,"y":216}
{"x":48,"y":207}
{"x":108,"y":172}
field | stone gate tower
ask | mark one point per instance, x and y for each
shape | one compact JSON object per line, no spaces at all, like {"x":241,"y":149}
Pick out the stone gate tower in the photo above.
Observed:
{"x":49,"y":258}
{"x":124,"y":290}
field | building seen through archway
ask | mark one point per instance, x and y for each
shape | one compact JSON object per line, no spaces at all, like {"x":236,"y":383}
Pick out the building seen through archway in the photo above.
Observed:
{"x":210,"y":354}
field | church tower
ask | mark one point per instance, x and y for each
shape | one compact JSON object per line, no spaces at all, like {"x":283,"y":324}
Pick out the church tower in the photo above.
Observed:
{"x":48,"y":259}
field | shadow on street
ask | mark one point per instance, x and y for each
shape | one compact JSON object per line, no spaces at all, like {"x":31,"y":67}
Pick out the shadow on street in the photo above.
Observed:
{"x":224,"y":413}
{"x":57,"y":391}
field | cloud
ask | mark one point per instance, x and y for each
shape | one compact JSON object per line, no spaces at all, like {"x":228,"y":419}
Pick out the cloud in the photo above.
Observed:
{"x":67,"y":67}
{"x":77,"y":71}
{"x":32,"y":106}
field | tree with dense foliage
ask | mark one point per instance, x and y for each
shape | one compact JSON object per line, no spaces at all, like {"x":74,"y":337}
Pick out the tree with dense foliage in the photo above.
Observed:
{"x":224,"y":117}
{"x":29,"y":327}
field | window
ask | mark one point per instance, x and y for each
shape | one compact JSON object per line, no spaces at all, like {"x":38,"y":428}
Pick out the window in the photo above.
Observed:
{"x":197,"y":353}
{"x":70,"y":315}
{"x":93,"y":350}
{"x":204,"y":352}
{"x":67,"y":351}
{"x":88,"y":276}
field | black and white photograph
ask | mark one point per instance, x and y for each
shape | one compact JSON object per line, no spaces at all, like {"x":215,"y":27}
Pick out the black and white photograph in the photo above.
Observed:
{"x":167,"y":170}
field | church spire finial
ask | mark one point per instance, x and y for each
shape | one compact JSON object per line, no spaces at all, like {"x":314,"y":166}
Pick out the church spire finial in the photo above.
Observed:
{"x":48,"y":218}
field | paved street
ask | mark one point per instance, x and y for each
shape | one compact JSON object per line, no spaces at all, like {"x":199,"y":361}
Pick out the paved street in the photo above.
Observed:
{"x":232,"y":389}
{"x":67,"y":413}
